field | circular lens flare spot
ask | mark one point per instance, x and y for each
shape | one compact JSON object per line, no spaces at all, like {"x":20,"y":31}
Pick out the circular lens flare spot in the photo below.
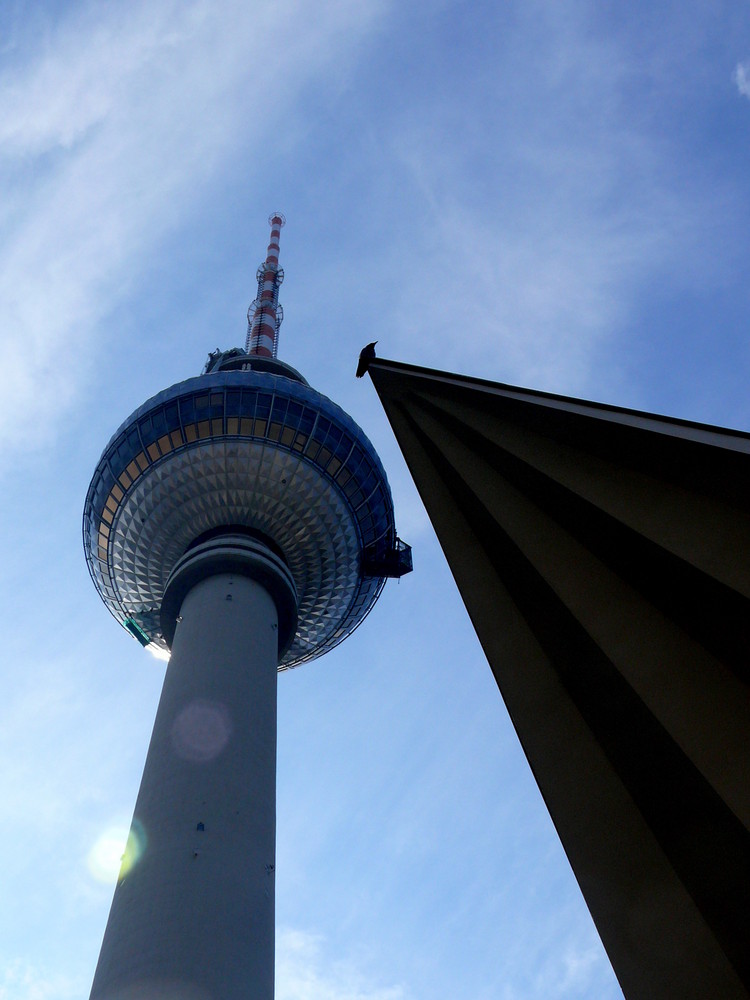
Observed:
{"x":115,"y":852}
{"x":135,"y":845}
{"x":201,"y":730}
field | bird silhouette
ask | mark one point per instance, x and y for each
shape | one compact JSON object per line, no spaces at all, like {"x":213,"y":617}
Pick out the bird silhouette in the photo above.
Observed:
{"x":365,"y":357}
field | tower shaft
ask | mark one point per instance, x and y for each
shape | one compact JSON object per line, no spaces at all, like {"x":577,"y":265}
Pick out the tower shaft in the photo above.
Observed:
{"x":193,"y":913}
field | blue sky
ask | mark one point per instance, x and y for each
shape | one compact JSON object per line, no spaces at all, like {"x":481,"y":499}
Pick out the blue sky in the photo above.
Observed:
{"x":552,"y":194}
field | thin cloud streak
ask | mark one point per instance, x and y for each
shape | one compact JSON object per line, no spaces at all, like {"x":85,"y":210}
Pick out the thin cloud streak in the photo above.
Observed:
{"x":538,"y":227}
{"x":23,"y":981}
{"x":742,"y":78}
{"x":109,"y":137}
{"x":303,"y":973}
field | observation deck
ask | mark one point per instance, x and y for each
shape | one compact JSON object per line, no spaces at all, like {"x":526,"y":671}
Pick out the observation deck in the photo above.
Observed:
{"x":248,"y":445}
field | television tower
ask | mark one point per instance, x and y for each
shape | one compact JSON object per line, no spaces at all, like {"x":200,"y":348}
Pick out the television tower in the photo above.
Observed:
{"x":242,"y":521}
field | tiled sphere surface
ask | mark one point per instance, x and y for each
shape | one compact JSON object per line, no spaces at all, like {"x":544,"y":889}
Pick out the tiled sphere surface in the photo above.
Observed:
{"x":241,"y":448}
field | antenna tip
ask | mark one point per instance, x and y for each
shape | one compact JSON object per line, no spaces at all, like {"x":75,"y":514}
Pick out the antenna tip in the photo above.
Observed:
{"x":277,"y":217}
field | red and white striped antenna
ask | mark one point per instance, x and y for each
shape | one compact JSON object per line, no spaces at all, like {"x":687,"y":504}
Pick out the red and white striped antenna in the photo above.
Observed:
{"x":265,"y":314}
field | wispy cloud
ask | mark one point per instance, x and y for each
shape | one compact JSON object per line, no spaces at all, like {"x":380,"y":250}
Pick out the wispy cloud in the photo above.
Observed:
{"x":554,"y":201}
{"x":302,"y":973}
{"x":111,"y":130}
{"x":742,"y":78}
{"x":22,"y":981}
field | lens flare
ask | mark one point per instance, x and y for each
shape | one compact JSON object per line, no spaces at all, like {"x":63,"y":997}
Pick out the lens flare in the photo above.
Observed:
{"x":109,"y":860}
{"x":158,"y":652}
{"x":201,"y":730}
{"x":134,"y":848}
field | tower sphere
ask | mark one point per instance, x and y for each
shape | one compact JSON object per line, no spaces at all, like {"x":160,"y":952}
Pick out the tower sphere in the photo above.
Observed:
{"x":248,"y":445}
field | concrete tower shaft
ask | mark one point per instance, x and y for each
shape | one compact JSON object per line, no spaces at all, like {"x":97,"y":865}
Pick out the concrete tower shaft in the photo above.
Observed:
{"x":193,"y":912}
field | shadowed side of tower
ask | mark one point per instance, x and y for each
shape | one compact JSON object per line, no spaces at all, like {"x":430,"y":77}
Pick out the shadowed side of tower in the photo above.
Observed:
{"x":244,"y":522}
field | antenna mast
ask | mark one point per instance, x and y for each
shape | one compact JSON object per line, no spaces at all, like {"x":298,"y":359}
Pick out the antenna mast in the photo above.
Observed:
{"x":265,"y":314}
